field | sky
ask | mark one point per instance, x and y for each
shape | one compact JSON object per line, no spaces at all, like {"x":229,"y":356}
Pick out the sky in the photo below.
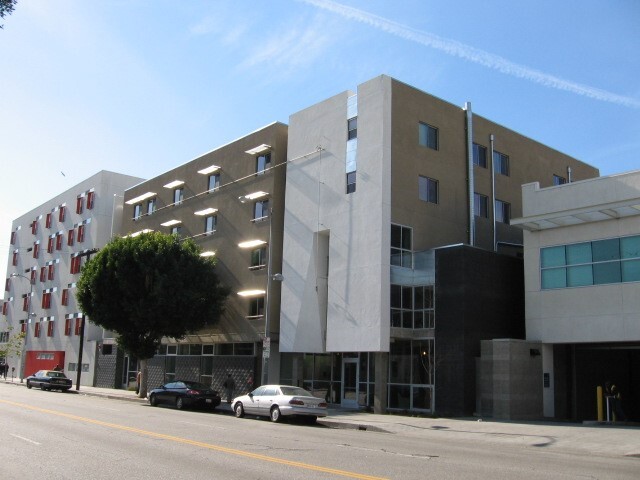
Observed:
{"x":142,"y":86}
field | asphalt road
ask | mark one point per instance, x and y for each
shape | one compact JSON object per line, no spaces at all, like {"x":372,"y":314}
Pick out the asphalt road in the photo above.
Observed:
{"x":66,"y":436}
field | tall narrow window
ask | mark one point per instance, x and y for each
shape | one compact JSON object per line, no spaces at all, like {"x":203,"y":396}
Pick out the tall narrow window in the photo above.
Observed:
{"x":61,"y":213}
{"x":501,"y":163}
{"x":263,"y":162}
{"x":33,"y":276}
{"x":67,"y":327}
{"x":71,"y":237}
{"x":479,"y":155}
{"x":352,"y":128}
{"x":351,"y":182}
{"x":258,"y":258}
{"x":503,"y":211}
{"x":25,"y":303}
{"x":137,"y":211}
{"x":36,"y":249}
{"x":75,"y":265}
{"x":151,"y":206}
{"x":178,"y":195}
{"x":480,"y":205}
{"x":401,"y":246}
{"x":34,"y":227}
{"x":59,"y":238}
{"x":65,"y":297}
{"x":210,"y":224}
{"x":52,"y":271}
{"x":261,"y":209}
{"x":256,"y":306}
{"x":79,"y":204}
{"x":427,"y":189}
{"x":50,"y":328}
{"x":78,"y":327}
{"x":43,"y":274}
{"x":50,"y":245}
{"x":46,"y":300}
{"x":47,"y":222}
{"x":12,"y":240}
{"x":214,"y":182}
{"x":91,"y":196}
{"x":36,"y":331}
{"x":428,"y":136}
{"x":81,"y":229}
{"x":14,"y":260}
{"x":5,"y":307}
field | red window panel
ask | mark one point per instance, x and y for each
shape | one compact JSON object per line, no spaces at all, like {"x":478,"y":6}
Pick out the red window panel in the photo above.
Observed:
{"x":34,"y":227}
{"x":13,"y":238}
{"x":25,"y":303}
{"x":34,"y":276}
{"x":47,"y":222}
{"x":50,"y":328}
{"x":5,"y":307}
{"x":65,"y":296}
{"x":79,"y":204}
{"x":7,"y":285}
{"x":50,"y":245}
{"x":78,"y":325}
{"x":75,"y":264}
{"x":80,"y":233}
{"x":36,"y":332}
{"x":46,"y":300}
{"x":59,"y":241}
{"x":70,"y":237}
{"x":14,"y":261}
{"x":43,"y":274}
{"x":61,"y":213}
{"x":67,"y":327}
{"x":36,"y":250}
{"x":23,"y":328}
{"x":91,"y":196}
{"x":52,"y":271}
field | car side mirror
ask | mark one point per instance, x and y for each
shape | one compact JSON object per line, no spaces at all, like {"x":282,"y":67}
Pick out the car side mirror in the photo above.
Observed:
{"x":250,"y":395}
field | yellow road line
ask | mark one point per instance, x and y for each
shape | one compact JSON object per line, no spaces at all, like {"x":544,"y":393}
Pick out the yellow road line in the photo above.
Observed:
{"x":186,"y":441}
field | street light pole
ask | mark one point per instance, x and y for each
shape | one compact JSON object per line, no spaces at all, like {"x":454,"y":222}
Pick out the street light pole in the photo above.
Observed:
{"x":28,"y":320}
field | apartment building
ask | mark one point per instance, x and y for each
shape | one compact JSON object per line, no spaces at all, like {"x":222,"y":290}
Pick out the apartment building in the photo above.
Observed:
{"x":399,"y":253}
{"x":582,"y":290}
{"x":230,"y":201}
{"x":48,"y":247}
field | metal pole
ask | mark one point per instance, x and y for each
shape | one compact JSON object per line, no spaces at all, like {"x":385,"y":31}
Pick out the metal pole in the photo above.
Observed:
{"x":265,"y":358}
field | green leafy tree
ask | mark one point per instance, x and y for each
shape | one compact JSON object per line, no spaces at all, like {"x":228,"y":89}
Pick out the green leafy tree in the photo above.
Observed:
{"x":6,"y":8}
{"x":148,"y":287}
{"x":13,"y":347}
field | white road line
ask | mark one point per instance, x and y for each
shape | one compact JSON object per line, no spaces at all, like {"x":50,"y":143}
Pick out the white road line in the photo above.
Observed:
{"x":25,"y":439}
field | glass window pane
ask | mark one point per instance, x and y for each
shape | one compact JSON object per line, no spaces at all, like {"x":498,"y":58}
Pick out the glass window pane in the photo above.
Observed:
{"x":608,"y":272}
{"x":399,"y":396}
{"x":418,"y":298}
{"x":552,"y":257}
{"x":400,"y":362}
{"x":578,"y":253}
{"x":554,"y":278}
{"x":579,"y":276}
{"x":407,"y":297}
{"x":406,"y":238}
{"x":630,"y":247}
{"x":406,"y":260}
{"x":422,"y":398}
{"x":396,"y":318}
{"x":606,"y":250}
{"x":407,"y":319}
{"x":631,"y":271}
{"x":396,"y":298}
{"x":396,"y":236}
{"x":422,"y":134}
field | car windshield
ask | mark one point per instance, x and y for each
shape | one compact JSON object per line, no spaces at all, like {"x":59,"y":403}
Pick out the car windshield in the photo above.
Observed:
{"x":295,"y":391}
{"x":56,"y":375}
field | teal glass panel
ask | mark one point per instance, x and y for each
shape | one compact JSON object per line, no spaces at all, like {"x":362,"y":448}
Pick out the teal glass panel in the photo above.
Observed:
{"x":554,"y":278}
{"x":579,"y":276}
{"x":552,"y":257}
{"x":608,"y":272}
{"x":604,"y":250}
{"x":578,"y":253}
{"x":631,"y":271}
{"x":630,"y":247}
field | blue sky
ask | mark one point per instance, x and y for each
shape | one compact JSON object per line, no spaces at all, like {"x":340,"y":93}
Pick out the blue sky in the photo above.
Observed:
{"x":141,"y":86}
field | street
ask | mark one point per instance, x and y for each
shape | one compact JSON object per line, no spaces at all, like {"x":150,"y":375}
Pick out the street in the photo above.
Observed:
{"x":69,"y":436}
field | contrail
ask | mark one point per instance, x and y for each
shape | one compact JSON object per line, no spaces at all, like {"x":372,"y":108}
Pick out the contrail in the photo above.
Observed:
{"x":475,"y":55}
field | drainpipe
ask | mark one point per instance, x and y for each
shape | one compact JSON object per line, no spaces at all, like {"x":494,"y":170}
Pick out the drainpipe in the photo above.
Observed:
{"x":493,"y":193}
{"x":469,"y":124}
{"x":569,"y":174}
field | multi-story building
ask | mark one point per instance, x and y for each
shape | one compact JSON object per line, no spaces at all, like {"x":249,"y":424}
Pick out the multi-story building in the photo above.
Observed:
{"x":230,"y":201}
{"x":375,"y":310}
{"x":582,"y":280}
{"x":48,"y":246}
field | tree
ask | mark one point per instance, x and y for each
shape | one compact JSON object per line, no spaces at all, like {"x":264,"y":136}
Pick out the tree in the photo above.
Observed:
{"x":6,"y":8}
{"x":13,"y":347}
{"x":148,"y":287}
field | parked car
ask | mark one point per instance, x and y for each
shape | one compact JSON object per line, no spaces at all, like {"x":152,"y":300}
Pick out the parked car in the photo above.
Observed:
{"x":49,"y":380}
{"x":183,"y":394}
{"x":277,"y":401}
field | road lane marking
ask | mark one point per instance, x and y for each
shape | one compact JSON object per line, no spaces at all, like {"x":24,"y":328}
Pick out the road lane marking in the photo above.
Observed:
{"x":209,"y":446}
{"x":25,"y":439}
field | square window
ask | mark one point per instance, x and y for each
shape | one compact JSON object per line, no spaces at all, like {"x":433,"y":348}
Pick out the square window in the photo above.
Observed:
{"x":210,"y":224}
{"x":256,"y":306}
{"x":258,"y":257}
{"x":480,"y":205}
{"x":427,"y":189}
{"x":214,"y":182}
{"x":428,"y":136}
{"x":503,"y":212}
{"x":263,"y":162}
{"x":480,"y":155}
{"x":261,"y":209}
{"x":177,"y":230}
{"x":501,"y":163}
{"x":351,"y":182}
{"x":178,"y":195}
{"x":554,"y":278}
{"x":352,"y":128}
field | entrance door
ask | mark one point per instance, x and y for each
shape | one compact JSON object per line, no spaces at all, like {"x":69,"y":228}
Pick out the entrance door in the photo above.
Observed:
{"x":350,"y":370}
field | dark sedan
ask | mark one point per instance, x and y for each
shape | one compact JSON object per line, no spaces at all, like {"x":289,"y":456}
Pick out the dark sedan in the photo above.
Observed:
{"x":49,"y":380}
{"x":183,"y":394}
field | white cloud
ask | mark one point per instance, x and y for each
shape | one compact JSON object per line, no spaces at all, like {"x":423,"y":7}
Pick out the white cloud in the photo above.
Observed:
{"x":472,"y":54}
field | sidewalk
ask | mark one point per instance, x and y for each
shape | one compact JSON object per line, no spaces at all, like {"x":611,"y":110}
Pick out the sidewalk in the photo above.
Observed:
{"x":593,"y":438}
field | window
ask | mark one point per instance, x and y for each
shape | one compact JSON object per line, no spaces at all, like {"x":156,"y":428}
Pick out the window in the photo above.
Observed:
{"x":14,"y":260}
{"x":151,"y":206}
{"x":214,"y":182}
{"x":61,"y":213}
{"x":480,"y":205}
{"x":5,"y":307}
{"x":47,"y":222}
{"x":36,"y":331}
{"x":210,"y":224}
{"x":137,"y":211}
{"x":503,"y":211}
{"x":7,"y":284}
{"x":65,"y":297}
{"x":501,"y":163}
{"x":177,"y":230}
{"x":401,"y":246}
{"x":558,"y":180}
{"x":256,"y":306}
{"x":12,"y":240}
{"x":71,"y":237}
{"x":91,"y":196}
{"x":78,"y":326}
{"x":258,"y":258}
{"x":81,"y":233}
{"x":76,"y":263}
{"x":43,"y":274}
{"x":412,"y":307}
{"x":178,"y":195}
{"x":46,"y":300}
{"x":260,"y":209}
{"x":79,"y":204}
{"x":352,"y":128}
{"x":34,"y":276}
{"x":36,"y":249}
{"x":23,"y":327}
{"x":428,"y":136}
{"x":50,"y":245}
{"x":59,"y":237}
{"x":50,"y":328}
{"x":351,"y":182}
{"x":263,"y":162}
{"x":479,"y":155}
{"x":34,"y":227}
{"x":427,"y":189}
{"x":52,"y":272}
{"x":25,"y":303}
{"x":67,"y":327}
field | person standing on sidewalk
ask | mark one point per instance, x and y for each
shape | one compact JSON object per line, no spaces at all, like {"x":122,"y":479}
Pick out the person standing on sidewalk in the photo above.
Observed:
{"x":229,"y":386}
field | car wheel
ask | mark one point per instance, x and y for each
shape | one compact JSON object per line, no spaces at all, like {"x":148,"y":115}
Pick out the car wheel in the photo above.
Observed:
{"x":179,"y":403}
{"x":239,"y":410}
{"x":42,"y":387}
{"x":153,"y":401}
{"x":29,"y":384}
{"x":275,"y":415}
{"x":311,"y":419}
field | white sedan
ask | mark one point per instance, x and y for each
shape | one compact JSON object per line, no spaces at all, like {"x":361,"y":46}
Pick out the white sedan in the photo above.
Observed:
{"x":277,"y":401}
